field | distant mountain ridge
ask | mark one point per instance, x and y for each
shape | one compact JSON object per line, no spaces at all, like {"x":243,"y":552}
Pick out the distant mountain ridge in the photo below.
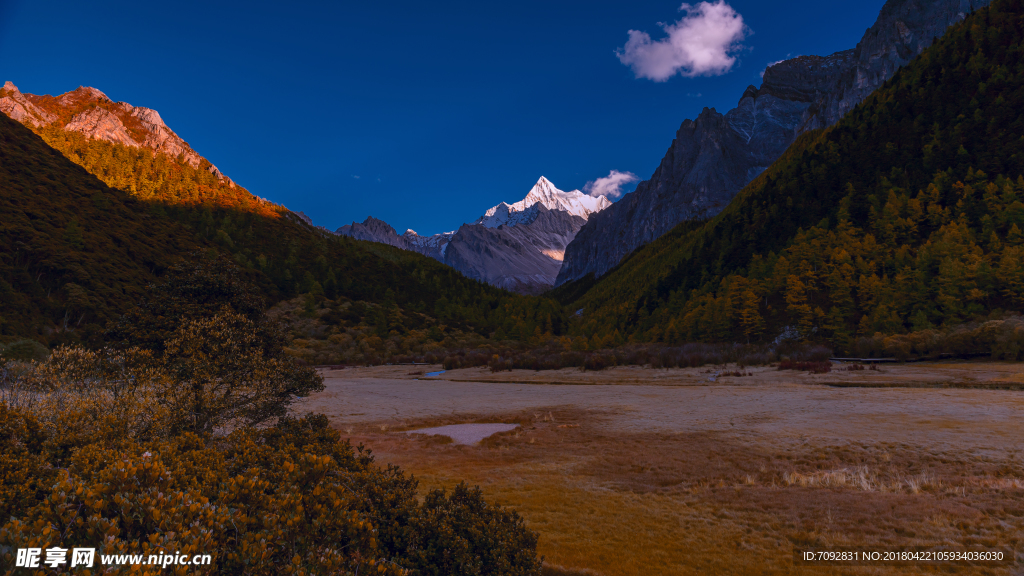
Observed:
{"x":87,"y":223}
{"x":515,"y":246}
{"x":716,"y":155}
{"x":90,"y":112}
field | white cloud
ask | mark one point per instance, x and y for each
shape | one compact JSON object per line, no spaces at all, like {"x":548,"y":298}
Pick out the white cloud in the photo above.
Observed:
{"x":700,"y":44}
{"x":611,"y":185}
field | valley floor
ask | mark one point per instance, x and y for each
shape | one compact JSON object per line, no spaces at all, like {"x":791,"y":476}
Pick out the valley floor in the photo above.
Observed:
{"x":632,"y":471}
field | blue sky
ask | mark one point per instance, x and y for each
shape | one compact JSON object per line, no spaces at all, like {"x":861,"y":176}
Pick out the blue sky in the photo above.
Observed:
{"x":421,"y":114}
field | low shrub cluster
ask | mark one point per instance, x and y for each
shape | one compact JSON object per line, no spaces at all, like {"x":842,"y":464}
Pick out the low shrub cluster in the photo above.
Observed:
{"x":23,"y":349}
{"x":86,"y":463}
{"x":999,"y":338}
{"x":320,"y":331}
{"x":814,"y":367}
{"x":323,"y":331}
{"x":556,"y":355}
{"x":178,"y":439}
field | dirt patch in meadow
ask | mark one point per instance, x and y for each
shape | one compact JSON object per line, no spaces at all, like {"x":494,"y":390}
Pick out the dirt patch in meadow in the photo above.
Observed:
{"x":654,"y":477}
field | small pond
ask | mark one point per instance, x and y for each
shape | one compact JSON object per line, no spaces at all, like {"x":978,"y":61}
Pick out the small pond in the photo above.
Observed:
{"x":466,"y":433}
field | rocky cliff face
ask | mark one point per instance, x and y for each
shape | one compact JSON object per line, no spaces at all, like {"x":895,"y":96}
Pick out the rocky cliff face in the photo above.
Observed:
{"x":18,"y":107}
{"x":523,"y":258}
{"x":91,"y":112}
{"x":903,"y":30}
{"x":517,"y":246}
{"x":374,"y":230}
{"x":716,"y":155}
{"x":433,"y":246}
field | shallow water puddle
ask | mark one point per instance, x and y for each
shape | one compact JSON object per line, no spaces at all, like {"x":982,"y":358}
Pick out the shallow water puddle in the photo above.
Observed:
{"x":468,"y":434}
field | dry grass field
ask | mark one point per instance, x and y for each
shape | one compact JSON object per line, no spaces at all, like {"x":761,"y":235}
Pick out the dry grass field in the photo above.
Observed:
{"x":635,"y":471}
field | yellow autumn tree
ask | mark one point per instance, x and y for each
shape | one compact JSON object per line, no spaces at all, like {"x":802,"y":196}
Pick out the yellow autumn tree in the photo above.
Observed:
{"x":220,"y":375}
{"x":797,"y":304}
{"x":751,"y":321}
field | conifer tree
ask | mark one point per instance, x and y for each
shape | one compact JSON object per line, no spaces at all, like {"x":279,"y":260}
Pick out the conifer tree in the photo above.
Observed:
{"x":751,"y":321}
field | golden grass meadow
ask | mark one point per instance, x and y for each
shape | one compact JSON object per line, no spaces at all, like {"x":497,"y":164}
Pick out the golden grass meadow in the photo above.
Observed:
{"x":634,"y":471}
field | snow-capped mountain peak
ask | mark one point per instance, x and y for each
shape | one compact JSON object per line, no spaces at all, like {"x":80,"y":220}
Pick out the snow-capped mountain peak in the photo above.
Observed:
{"x":514,"y":246}
{"x":545,"y":193}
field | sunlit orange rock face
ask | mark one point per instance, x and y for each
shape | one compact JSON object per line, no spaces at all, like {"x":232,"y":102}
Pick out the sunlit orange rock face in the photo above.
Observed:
{"x":91,"y":112}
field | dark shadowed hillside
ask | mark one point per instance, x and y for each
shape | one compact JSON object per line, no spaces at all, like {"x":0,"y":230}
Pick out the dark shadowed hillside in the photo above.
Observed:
{"x":76,"y":252}
{"x":73,"y":251}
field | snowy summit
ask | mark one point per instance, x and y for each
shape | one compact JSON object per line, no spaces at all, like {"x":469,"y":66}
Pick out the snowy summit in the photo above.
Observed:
{"x":544,"y":193}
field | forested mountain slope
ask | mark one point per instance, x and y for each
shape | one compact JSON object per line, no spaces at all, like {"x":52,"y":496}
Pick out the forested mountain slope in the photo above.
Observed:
{"x":74,"y":251}
{"x":715,"y":155}
{"x":905,"y":215}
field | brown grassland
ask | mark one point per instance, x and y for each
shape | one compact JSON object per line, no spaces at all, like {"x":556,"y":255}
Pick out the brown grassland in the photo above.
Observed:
{"x":633,"y":471}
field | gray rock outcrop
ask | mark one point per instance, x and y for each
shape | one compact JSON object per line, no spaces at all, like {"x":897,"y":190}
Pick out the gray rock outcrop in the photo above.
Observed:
{"x":713,"y":157}
{"x":374,"y":230}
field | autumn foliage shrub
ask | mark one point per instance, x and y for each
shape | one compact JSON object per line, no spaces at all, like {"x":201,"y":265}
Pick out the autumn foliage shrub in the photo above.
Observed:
{"x":23,"y":472}
{"x":449,"y":528}
{"x":1001,"y":338}
{"x":813,"y":367}
{"x":805,"y":352}
{"x":557,"y":354}
{"x":498,"y":364}
{"x":178,"y":439}
{"x":23,"y":349}
{"x":92,"y":455}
